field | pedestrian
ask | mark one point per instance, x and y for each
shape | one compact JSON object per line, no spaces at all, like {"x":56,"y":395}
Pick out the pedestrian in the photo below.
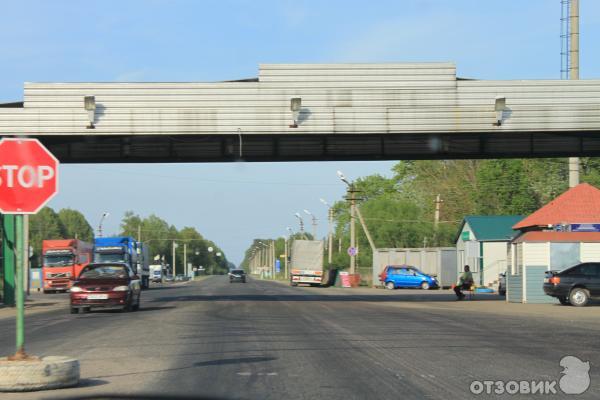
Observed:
{"x":465,"y":281}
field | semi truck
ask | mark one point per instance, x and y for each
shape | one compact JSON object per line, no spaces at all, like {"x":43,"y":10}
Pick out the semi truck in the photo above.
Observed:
{"x":306,"y":262}
{"x":63,"y":260}
{"x":127,"y":250}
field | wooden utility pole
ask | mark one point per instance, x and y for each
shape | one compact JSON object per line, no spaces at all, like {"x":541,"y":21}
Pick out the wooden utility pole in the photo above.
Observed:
{"x":352,"y":193}
{"x":574,"y":74}
{"x":436,"y":216}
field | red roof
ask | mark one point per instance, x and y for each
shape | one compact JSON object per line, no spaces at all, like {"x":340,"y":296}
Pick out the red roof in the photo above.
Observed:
{"x":551,"y":236}
{"x":580,"y":204}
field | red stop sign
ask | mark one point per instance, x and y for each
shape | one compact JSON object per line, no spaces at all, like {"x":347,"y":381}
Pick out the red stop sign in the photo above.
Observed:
{"x":28,"y":176}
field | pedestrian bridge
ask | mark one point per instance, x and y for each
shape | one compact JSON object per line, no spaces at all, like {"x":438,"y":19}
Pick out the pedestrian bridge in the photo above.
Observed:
{"x":344,"y":112}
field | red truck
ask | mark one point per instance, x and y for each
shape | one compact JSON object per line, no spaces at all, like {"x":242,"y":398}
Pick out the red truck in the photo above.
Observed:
{"x":63,"y":261}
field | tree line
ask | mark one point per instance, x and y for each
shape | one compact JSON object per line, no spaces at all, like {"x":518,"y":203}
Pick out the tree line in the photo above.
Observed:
{"x":399,"y":211}
{"x":157,"y":233}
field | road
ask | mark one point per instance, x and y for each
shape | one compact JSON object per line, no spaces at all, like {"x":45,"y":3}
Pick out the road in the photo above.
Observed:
{"x":264,"y":340}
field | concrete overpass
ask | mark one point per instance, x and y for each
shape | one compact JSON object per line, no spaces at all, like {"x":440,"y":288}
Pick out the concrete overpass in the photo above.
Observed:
{"x":347,"y":112}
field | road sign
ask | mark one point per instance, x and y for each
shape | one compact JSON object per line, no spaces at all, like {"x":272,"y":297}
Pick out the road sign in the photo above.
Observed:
{"x":28,"y":176}
{"x":352,"y":251}
{"x":277,"y":266}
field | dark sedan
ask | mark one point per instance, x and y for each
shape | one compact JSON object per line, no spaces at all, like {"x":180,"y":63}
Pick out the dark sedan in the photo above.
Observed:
{"x":106,"y":285}
{"x":575,"y":285}
{"x":237,"y":275}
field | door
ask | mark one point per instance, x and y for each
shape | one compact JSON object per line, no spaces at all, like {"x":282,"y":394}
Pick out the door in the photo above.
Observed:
{"x":408,"y":278}
{"x":592,"y":273}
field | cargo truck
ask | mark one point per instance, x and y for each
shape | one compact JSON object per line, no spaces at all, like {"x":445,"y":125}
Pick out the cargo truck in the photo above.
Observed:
{"x":63,"y":260}
{"x":306,"y":262}
{"x":124,"y":249}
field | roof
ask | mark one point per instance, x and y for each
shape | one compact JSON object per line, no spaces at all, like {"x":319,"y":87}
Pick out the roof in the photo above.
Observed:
{"x":491,"y":227}
{"x":551,"y":236}
{"x":580,"y":204}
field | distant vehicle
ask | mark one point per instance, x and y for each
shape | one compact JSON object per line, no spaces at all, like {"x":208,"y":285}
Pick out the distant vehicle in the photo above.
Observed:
{"x":306,"y":262}
{"x":124,"y":249}
{"x":63,"y":260}
{"x":502,"y":284}
{"x":169,"y":278}
{"x":236,"y":275}
{"x":182,"y":277}
{"x":576,"y":285}
{"x":102,"y":285}
{"x":404,"y":276}
{"x":156,"y":273}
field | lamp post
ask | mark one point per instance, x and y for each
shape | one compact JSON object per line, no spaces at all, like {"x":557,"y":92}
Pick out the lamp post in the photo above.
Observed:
{"x":104,"y":216}
{"x":175,"y":245}
{"x":314,"y":223}
{"x":352,"y":198}
{"x":301,"y":223}
{"x":330,"y":233}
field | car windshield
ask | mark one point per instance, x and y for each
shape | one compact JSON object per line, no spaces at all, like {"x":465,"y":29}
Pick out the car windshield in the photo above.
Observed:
{"x":59,"y":261}
{"x":104,"y":271}
{"x":110,"y":257}
{"x":237,"y":272}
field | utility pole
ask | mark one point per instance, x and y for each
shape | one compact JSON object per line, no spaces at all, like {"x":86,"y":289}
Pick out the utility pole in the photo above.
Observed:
{"x":574,"y":74}
{"x":330,"y":238}
{"x":173,"y":268}
{"x":436,"y":217}
{"x":273,"y":257}
{"x":352,"y":193}
{"x":285,"y":261}
{"x":185,"y":271}
{"x":139,"y":233}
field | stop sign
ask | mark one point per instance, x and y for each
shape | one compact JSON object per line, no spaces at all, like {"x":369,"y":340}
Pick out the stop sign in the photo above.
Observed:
{"x":28,"y":176}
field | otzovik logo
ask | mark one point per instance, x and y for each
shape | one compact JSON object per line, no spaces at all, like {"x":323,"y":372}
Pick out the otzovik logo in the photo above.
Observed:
{"x":575,"y":380}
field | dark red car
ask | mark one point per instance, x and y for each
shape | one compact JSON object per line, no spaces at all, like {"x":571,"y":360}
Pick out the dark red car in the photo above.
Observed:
{"x":106,"y":285}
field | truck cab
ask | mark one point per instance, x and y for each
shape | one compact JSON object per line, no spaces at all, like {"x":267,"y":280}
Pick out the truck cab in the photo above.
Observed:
{"x":123,"y":249}
{"x":63,"y":260}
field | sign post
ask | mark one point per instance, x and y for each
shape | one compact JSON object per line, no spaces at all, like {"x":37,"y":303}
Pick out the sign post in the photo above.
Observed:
{"x":28,"y":180}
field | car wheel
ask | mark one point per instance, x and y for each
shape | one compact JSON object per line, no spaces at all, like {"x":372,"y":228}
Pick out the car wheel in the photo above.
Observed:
{"x":294,"y":284}
{"x":579,"y":297}
{"x":425,"y":285}
{"x":74,"y":310}
{"x":390,"y":286}
{"x":564,"y":301}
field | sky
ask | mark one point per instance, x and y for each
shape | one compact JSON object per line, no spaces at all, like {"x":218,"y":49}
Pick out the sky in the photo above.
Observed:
{"x":176,"y":40}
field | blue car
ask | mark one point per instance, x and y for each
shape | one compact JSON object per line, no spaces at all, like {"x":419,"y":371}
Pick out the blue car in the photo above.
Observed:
{"x":408,"y":277}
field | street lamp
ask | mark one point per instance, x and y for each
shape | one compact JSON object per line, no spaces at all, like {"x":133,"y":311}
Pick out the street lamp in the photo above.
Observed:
{"x":301,"y":222}
{"x":314,"y":223}
{"x":104,"y":216}
{"x":352,"y":198}
{"x":330,"y":234}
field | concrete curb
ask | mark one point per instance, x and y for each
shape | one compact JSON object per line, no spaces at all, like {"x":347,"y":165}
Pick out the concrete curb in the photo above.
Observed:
{"x":51,"y":372}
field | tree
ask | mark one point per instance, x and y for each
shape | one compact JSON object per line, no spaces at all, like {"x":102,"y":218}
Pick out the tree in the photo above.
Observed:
{"x":75,"y":225}
{"x":45,"y":225}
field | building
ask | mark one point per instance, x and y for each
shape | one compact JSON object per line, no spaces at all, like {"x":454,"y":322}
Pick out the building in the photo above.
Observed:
{"x":482,"y":243}
{"x":564,"y":232}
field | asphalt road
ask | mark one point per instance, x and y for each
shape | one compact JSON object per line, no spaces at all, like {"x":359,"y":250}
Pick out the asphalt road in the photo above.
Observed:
{"x":264,"y":340}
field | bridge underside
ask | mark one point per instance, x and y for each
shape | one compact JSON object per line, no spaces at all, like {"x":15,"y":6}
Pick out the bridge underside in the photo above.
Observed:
{"x":313,"y":147}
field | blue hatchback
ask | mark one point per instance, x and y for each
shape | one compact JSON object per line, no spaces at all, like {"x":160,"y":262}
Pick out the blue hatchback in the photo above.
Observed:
{"x":409,"y":277}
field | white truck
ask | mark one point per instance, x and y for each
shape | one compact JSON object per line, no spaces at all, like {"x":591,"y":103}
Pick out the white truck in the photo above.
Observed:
{"x":306,"y":263}
{"x":156,"y":273}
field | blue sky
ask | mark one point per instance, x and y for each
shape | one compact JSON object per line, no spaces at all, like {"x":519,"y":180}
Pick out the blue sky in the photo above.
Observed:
{"x":174,"y":40}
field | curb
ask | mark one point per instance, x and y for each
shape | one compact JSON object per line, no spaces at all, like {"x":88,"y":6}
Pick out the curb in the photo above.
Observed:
{"x":50,"y":372}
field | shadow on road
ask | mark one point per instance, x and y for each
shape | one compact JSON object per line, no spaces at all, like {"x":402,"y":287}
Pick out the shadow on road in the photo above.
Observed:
{"x":319,"y":297}
{"x":228,"y":361}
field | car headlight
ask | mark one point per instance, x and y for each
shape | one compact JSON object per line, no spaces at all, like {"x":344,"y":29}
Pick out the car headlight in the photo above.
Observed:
{"x":121,"y":288}
{"x":76,"y":289}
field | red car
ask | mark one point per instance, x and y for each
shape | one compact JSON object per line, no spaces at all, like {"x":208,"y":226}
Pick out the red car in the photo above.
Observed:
{"x":102,"y":285}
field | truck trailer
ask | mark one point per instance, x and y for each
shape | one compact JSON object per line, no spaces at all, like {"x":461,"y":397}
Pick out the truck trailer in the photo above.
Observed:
{"x":63,"y":260}
{"x":306,"y":263}
{"x":124,"y":249}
